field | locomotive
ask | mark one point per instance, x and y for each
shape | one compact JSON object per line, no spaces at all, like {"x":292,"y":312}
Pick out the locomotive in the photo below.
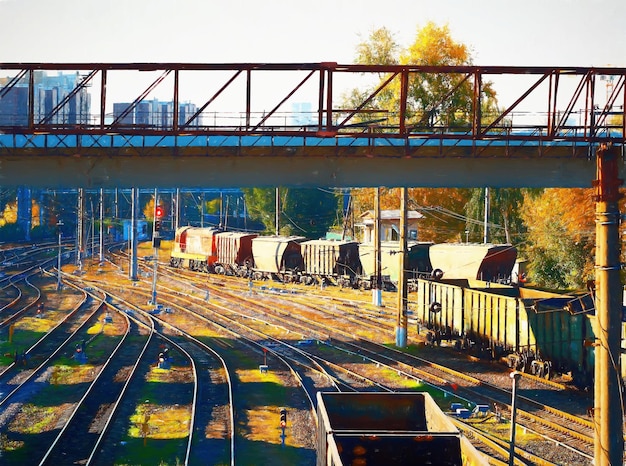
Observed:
{"x":339,"y":262}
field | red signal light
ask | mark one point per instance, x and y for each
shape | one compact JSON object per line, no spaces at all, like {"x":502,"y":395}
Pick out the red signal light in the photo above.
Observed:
{"x":158,"y":211}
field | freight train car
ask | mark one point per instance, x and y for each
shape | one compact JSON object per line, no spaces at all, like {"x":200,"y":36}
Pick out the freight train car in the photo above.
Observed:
{"x":195,"y":248}
{"x":234,"y":253}
{"x":533,"y":331}
{"x":345,"y":263}
{"x":486,"y":262}
{"x":418,"y":261}
{"x":331,"y":260}
{"x":277,"y":257}
{"x":387,"y":429}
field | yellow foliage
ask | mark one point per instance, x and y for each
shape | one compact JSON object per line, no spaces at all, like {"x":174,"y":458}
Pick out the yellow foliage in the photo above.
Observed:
{"x":10,"y":212}
{"x":434,"y":227}
{"x":255,"y":375}
{"x":434,"y":46}
{"x":160,"y":422}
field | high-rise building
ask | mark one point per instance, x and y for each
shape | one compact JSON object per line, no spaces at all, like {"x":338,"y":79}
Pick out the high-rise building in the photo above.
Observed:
{"x":155,"y":114}
{"x":55,"y":101}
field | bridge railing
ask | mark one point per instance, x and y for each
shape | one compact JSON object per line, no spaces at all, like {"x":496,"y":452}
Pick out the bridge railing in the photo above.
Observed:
{"x":573,"y":104}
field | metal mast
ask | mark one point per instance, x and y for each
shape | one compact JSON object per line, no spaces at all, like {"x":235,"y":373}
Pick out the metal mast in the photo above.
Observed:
{"x":608,"y":412}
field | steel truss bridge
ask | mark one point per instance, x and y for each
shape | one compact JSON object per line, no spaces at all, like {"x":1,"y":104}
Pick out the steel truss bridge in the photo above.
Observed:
{"x":234,"y":125}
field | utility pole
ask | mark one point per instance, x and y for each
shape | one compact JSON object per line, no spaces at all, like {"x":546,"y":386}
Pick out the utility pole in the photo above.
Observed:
{"x":176,"y":211}
{"x":59,"y":285}
{"x":202,"y":209}
{"x":377,"y":289}
{"x":607,"y":414}
{"x":80,"y":234}
{"x":486,"y":222}
{"x":101,"y":226}
{"x":402,"y":325}
{"x":155,"y":243}
{"x":514,"y":377}
{"x":132,"y":234}
{"x":277,"y":211}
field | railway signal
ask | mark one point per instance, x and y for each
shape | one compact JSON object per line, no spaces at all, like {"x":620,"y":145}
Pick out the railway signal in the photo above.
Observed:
{"x":158,"y":215}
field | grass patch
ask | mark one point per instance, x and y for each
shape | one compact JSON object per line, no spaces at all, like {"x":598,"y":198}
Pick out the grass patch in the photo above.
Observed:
{"x":139,"y":451}
{"x":21,"y":340}
{"x":33,"y":419}
{"x":250,"y":376}
{"x":106,"y":328}
{"x":502,"y":429}
{"x":195,"y":327}
{"x":160,"y":422}
{"x":263,"y":426}
{"x":72,"y":374}
{"x":174,"y":374}
{"x":401,"y":380}
{"x":8,"y":445}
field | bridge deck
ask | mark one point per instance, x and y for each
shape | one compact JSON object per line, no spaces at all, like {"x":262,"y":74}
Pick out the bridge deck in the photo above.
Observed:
{"x":94,"y":136}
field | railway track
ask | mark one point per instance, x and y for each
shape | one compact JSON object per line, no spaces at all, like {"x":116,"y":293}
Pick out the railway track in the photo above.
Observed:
{"x":248,"y":404}
{"x":551,"y":423}
{"x":267,"y":312}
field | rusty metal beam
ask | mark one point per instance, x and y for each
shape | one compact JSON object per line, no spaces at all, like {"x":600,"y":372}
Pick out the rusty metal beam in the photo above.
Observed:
{"x":593,"y":126}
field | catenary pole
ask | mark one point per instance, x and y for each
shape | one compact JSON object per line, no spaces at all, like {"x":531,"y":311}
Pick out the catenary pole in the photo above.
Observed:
{"x":402,"y":322}
{"x":608,"y":413}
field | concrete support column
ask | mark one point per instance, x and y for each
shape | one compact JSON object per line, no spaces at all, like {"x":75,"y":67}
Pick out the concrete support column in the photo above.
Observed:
{"x":80,"y":229}
{"x":402,"y":325}
{"x":377,"y":289}
{"x":608,"y":416}
{"x":132,"y":270}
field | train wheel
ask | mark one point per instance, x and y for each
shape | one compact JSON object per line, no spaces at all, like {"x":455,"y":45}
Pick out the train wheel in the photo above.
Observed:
{"x":547,"y":370}
{"x":436,"y":274}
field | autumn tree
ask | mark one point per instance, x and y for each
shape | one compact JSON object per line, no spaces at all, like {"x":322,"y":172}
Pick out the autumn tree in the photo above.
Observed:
{"x":561,"y":237}
{"x":433,"y":99}
{"x":148,"y":210}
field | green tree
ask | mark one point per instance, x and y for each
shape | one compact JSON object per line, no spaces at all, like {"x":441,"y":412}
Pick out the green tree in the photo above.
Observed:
{"x":303,"y":211}
{"x":506,"y":224}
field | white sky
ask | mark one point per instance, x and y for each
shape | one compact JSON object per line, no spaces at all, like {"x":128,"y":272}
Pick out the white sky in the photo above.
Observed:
{"x":501,"y":32}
